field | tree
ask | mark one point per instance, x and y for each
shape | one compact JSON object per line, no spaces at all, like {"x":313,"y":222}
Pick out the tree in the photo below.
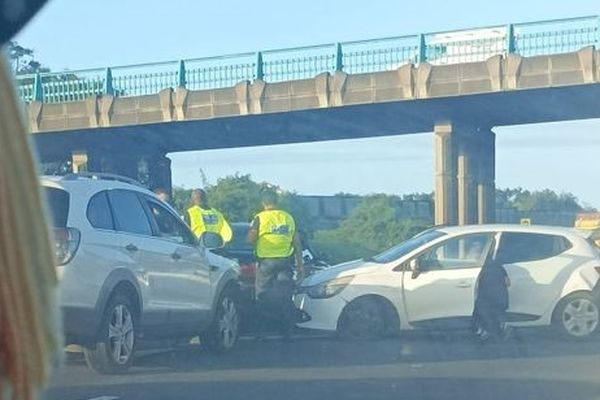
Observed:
{"x":374,"y":224}
{"x":23,"y":60}
{"x":370,"y":228}
{"x":180,"y":199}
{"x":418,"y":197}
{"x":548,"y":200}
{"x":238,"y":197}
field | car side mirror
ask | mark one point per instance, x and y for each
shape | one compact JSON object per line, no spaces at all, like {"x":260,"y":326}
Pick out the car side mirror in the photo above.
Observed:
{"x":211,"y":240}
{"x":415,"y":268}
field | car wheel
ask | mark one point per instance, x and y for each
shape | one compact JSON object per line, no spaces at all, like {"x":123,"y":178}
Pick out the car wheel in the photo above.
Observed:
{"x":362,"y":319}
{"x":224,"y":330}
{"x":117,"y":339}
{"x":577,"y":316}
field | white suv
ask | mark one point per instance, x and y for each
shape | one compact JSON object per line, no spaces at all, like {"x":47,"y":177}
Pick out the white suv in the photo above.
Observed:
{"x":130,"y":269}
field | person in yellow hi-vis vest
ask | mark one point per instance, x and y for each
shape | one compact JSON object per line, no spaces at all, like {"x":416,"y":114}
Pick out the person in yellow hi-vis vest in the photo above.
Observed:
{"x":202,"y":218}
{"x":273,"y":232}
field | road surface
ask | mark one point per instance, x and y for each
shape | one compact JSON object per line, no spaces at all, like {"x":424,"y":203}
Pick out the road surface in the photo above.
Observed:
{"x":533,"y":365}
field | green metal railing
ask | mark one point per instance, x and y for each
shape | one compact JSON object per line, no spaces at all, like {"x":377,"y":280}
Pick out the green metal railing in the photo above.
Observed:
{"x":439,"y":48}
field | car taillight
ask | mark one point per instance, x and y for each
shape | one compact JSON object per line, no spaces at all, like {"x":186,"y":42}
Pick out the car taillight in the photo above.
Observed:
{"x":66,"y":243}
{"x":248,"y":270}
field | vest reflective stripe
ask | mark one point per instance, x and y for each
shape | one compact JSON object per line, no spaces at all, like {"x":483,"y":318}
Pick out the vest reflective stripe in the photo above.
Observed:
{"x":275,"y":234}
{"x":209,"y":220}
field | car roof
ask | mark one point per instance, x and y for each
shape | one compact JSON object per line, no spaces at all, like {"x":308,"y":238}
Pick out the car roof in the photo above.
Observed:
{"x":74,"y":182}
{"x":543,"y":229}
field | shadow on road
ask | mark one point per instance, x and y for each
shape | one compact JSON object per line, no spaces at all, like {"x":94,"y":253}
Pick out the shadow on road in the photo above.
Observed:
{"x":413,"y":347}
{"x":388,"y":388}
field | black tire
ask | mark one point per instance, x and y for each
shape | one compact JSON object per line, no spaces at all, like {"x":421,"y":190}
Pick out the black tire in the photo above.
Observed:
{"x":577,"y":316}
{"x":224,"y":330}
{"x":362,"y":319}
{"x":114,"y":350}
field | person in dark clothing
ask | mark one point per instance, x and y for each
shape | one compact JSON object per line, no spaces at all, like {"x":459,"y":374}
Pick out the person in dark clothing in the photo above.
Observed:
{"x":491,"y":300}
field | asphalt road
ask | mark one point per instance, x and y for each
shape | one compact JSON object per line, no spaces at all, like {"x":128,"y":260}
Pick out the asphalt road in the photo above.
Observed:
{"x":533,"y":365}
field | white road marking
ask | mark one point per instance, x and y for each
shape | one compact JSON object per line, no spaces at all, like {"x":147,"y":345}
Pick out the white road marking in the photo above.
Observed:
{"x":104,"y":398}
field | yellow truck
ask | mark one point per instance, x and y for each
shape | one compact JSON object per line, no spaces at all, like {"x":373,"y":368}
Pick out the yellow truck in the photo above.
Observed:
{"x":589,"y":222}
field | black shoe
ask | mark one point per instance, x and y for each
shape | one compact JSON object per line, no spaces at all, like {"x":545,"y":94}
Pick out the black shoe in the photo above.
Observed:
{"x":302,"y":316}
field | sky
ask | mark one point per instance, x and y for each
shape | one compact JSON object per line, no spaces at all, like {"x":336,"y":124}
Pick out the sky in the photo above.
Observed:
{"x":76,"y":34}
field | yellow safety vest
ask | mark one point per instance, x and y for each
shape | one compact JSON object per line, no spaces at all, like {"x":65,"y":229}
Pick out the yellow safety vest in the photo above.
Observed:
{"x":276,"y":231}
{"x":209,"y":220}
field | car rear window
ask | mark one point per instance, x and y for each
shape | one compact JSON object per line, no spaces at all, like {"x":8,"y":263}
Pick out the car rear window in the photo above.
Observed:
{"x":239,"y":240}
{"x":58,"y":202}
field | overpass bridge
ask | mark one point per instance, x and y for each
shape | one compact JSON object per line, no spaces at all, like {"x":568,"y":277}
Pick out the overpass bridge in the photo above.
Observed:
{"x":458,"y":84}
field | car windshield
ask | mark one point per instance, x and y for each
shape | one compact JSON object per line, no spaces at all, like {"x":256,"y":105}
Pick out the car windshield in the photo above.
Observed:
{"x":406,"y":247}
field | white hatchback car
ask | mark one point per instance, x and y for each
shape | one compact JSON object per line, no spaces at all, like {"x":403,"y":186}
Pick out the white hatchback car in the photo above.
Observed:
{"x":429,"y":281}
{"x":131,"y":269}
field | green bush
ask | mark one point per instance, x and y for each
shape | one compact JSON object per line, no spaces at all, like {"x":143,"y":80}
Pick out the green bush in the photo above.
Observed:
{"x":334,"y":249}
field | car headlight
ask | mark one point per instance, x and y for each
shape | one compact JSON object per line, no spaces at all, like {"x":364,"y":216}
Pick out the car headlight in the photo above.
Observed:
{"x":329,"y":288}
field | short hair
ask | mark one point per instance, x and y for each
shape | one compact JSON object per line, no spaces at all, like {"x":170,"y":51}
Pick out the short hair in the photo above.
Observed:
{"x":160,"y":191}
{"x":269,"y":197}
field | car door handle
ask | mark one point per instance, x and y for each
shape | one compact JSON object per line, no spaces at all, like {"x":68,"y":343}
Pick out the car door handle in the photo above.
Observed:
{"x":131,"y":247}
{"x":463,"y":285}
{"x":176,"y":256}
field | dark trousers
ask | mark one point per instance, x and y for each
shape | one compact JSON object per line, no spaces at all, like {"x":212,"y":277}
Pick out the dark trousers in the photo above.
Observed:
{"x":274,"y":291}
{"x":490,"y":318}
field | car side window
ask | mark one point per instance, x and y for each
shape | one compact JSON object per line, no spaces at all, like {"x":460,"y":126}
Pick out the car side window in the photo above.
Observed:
{"x":129,"y":213}
{"x":98,"y":212}
{"x":169,"y":226}
{"x":523,"y":246}
{"x":468,"y":251}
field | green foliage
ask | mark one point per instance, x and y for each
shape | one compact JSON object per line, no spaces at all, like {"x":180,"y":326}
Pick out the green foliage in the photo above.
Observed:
{"x":418,"y":197}
{"x":238,"y":197}
{"x":370,"y":228}
{"x":333,"y":248}
{"x":23,"y":59}
{"x":374,"y":224}
{"x":180,"y":199}
{"x":525,"y":200}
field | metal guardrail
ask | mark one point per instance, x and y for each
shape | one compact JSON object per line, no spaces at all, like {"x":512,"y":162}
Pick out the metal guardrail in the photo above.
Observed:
{"x":450,"y":47}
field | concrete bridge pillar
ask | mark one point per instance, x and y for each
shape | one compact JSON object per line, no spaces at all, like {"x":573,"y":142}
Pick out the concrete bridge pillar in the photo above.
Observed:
{"x":486,"y":184}
{"x":464,"y":175}
{"x":160,"y":172}
{"x":466,"y":181}
{"x":445,"y":175}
